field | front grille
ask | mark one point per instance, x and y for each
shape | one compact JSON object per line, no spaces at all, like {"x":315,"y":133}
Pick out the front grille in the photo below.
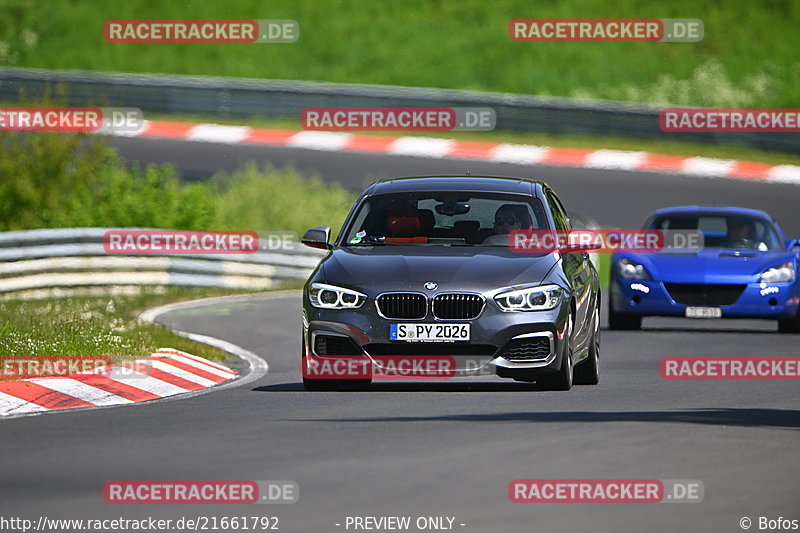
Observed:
{"x":700,"y":294}
{"x":526,"y":349}
{"x":335,"y":345}
{"x":406,"y":305}
{"x":439,"y":349}
{"x":457,"y":306}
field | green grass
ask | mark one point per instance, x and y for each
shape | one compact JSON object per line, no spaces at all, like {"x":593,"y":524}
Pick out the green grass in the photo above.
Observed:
{"x":97,"y":325}
{"x":748,"y":56}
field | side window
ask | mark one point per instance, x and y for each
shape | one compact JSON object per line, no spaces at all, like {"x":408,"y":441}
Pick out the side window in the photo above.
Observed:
{"x":559,"y":216}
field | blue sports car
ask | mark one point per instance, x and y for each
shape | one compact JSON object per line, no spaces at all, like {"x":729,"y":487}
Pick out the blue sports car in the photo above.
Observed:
{"x":746,"y":268}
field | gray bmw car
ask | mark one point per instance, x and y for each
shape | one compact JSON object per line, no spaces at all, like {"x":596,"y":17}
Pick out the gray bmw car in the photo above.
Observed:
{"x":422,"y":272}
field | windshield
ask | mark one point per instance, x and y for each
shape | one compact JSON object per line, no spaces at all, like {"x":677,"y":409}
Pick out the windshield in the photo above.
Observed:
{"x":443,"y":218}
{"x":733,"y":230}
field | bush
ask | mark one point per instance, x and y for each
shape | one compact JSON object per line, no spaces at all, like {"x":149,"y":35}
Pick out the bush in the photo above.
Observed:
{"x":272,"y":199}
{"x":51,"y":180}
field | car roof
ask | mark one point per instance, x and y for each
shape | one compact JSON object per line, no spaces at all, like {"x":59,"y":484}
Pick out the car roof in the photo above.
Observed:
{"x":712,"y":210}
{"x":455,"y":183}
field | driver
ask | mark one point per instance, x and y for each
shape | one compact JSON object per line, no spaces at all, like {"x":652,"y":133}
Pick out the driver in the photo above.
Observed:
{"x":741,"y":233}
{"x":506,"y":221}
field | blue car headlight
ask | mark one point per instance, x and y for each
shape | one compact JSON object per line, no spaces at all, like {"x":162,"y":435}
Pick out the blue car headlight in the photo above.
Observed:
{"x":632,"y":270}
{"x":539,"y":298}
{"x":779,"y":274}
{"x":326,"y":296}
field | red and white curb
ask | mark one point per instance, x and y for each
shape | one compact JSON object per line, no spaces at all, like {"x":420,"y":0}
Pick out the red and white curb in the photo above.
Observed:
{"x":470,"y":150}
{"x":165,"y":373}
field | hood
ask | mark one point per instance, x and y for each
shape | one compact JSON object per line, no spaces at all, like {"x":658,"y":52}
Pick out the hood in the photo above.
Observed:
{"x":392,"y":268}
{"x":710,"y":265}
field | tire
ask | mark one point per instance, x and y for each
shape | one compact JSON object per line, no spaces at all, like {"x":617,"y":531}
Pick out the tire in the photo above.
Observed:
{"x":623,"y":321}
{"x":790,"y":325}
{"x":354,"y":384}
{"x":525,"y":376}
{"x":315,"y":385}
{"x":587,"y":372}
{"x":562,"y":380}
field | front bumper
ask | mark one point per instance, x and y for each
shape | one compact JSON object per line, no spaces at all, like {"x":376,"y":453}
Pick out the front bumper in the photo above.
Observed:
{"x":497,"y":338}
{"x":651,"y":298}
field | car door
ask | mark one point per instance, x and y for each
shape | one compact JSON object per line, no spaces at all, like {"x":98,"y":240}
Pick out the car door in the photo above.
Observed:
{"x":577,"y":269}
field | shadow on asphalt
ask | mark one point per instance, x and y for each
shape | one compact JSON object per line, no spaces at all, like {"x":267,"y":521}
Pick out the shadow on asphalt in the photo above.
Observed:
{"x":773,"y":418}
{"x":676,"y":329}
{"x":416,"y":386}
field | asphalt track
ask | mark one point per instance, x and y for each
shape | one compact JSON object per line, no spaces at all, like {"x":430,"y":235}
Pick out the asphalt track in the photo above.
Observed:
{"x":442,"y":448}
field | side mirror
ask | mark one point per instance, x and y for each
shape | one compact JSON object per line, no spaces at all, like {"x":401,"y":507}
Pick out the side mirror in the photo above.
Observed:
{"x":793,"y":245}
{"x":318,"y":237}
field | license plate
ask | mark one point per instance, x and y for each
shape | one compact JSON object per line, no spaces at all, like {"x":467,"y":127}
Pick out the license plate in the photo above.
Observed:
{"x":703,"y":312}
{"x":429,"y":332}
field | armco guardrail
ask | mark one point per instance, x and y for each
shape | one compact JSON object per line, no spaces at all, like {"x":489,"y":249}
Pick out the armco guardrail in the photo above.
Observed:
{"x":237,"y":97}
{"x":48,"y":258}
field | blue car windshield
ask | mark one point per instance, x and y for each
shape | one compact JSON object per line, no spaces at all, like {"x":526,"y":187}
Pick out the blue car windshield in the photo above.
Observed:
{"x":443,"y":218}
{"x":724,"y":230}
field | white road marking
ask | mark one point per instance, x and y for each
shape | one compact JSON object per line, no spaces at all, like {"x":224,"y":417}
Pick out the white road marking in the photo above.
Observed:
{"x":614,"y":159}
{"x":183,"y":374}
{"x":11,"y":405}
{"x":217,"y":133}
{"x":518,"y":153}
{"x":784,"y":174}
{"x":319,"y":140}
{"x":80,"y":390}
{"x":420,"y":146}
{"x":704,"y":166}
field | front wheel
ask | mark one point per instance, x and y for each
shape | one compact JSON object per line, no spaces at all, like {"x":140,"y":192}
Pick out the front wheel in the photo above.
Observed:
{"x":315,"y":384}
{"x":790,"y":325}
{"x":587,"y":372}
{"x":562,"y":380}
{"x":623,"y":321}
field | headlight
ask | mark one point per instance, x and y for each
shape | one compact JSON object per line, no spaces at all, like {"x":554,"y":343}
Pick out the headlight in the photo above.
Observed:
{"x":332,"y":297}
{"x":779,"y":274}
{"x":631,"y":270}
{"x":531,"y":299}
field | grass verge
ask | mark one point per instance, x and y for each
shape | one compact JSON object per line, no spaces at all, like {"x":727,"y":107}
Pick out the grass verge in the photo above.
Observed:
{"x":97,"y":325}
